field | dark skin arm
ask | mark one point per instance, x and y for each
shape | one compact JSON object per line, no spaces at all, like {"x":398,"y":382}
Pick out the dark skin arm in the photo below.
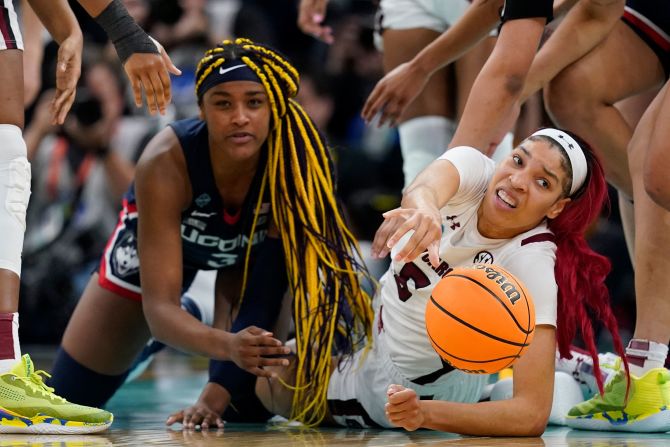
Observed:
{"x":163,"y":191}
{"x":145,"y":70}
{"x":61,"y":23}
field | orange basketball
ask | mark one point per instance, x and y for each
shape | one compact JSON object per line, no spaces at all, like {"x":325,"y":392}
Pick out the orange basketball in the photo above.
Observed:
{"x":480,"y":319}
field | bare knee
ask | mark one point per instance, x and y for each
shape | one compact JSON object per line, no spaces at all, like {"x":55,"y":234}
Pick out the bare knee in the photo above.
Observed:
{"x":569,"y":100}
{"x":657,"y":186}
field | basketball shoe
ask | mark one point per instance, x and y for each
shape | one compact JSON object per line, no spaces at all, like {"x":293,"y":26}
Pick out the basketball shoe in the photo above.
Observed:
{"x":646,"y":409}
{"x":27,"y":405}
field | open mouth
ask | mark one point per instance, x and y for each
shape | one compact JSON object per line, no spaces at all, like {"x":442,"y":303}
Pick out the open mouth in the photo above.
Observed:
{"x":506,"y":198}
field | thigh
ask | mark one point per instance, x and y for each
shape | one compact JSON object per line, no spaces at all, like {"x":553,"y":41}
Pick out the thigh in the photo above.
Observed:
{"x":621,"y":66}
{"x":400,"y":46}
{"x":106,"y":331}
{"x":11,"y":87}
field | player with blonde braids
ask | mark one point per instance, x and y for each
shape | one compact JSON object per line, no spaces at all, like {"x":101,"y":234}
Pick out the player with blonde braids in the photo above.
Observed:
{"x":246,"y":189}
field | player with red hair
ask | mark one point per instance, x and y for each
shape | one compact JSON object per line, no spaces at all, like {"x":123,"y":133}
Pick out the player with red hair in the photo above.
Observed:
{"x":528,"y":214}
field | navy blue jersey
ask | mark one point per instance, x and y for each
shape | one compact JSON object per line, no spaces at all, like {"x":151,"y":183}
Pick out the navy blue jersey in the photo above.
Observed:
{"x":212,"y":238}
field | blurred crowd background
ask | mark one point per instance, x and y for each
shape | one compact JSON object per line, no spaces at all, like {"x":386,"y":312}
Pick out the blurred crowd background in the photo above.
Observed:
{"x":82,"y":169}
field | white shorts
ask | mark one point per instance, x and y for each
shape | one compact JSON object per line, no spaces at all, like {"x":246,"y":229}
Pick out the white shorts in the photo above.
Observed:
{"x":357,"y":389}
{"x":10,"y":34}
{"x":436,"y":15}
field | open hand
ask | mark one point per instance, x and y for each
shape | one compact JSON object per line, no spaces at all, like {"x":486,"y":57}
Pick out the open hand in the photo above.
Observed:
{"x":68,"y":70}
{"x":250,"y":347}
{"x":393,"y":93}
{"x":150,"y":72}
{"x":200,"y":414}
{"x":427,"y":231}
{"x":310,"y":20}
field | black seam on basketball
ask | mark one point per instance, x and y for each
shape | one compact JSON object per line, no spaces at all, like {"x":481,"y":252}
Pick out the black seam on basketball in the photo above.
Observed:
{"x":513,"y":357}
{"x":525,"y":297}
{"x":525,"y":331}
{"x":474,"y":328}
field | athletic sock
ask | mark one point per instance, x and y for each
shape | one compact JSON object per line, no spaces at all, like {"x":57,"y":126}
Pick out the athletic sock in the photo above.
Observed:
{"x":82,"y":385}
{"x":10,"y":350}
{"x":423,"y":140}
{"x":643,"y":355}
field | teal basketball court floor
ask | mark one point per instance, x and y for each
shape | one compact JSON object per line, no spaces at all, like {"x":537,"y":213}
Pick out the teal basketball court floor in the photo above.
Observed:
{"x":174,"y":381}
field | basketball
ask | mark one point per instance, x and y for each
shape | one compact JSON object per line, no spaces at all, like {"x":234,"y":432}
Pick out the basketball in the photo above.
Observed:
{"x":480,"y":319}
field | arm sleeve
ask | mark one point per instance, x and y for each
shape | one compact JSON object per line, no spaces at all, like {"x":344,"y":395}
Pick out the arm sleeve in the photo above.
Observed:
{"x":474,"y":170}
{"x":527,"y":9}
{"x":260,"y":307}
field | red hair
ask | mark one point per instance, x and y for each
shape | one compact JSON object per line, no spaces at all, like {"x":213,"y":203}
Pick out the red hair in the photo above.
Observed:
{"x":580,"y":271}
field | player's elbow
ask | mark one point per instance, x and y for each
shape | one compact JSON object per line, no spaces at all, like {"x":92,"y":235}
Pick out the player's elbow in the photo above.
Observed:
{"x":535,"y":421}
{"x":513,"y":84}
{"x":157,"y":325}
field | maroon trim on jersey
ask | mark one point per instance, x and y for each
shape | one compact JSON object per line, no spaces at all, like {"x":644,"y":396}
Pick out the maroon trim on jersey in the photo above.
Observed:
{"x":231,"y":219}
{"x":6,"y":29}
{"x":542,"y":237}
{"x":6,"y":336}
{"x":650,"y":32}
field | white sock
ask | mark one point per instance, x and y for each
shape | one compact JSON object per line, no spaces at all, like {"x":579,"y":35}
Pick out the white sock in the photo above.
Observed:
{"x":422,"y":140}
{"x":9,"y":341}
{"x":643,"y":355}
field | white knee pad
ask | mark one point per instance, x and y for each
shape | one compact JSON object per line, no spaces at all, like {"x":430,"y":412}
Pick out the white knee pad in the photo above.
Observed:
{"x":14,"y":195}
{"x":422,"y":140}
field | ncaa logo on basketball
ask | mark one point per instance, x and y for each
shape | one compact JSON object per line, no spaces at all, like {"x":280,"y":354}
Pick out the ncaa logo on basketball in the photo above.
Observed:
{"x":483,"y":257}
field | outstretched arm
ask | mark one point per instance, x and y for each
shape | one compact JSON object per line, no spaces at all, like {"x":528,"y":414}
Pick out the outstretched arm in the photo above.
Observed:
{"x":525,"y":414}
{"x":145,"y":61}
{"x":419,"y":212}
{"x":395,"y":91}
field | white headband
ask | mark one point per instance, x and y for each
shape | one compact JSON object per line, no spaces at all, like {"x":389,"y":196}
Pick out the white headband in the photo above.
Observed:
{"x":575,"y":155}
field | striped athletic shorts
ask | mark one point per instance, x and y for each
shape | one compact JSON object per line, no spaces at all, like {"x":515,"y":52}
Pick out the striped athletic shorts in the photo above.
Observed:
{"x":10,"y":34}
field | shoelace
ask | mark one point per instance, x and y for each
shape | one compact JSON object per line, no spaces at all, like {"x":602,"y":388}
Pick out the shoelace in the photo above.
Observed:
{"x":35,"y":382}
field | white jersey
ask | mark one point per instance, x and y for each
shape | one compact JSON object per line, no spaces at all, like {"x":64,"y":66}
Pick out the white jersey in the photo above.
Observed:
{"x":406,"y":287}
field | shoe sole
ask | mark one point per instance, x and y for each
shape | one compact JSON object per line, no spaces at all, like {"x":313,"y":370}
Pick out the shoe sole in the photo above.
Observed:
{"x":658,"y":422}
{"x":11,"y":422}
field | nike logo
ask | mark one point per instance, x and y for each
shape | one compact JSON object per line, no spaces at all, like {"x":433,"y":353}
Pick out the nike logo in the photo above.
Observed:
{"x":199,"y":214}
{"x":222,"y":71}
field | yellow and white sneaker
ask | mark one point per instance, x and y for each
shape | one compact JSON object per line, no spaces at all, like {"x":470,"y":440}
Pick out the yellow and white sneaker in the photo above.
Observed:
{"x":28,"y":405}
{"x":646,"y":411}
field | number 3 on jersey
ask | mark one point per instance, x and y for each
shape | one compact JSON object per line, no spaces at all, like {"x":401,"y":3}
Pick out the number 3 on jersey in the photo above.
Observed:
{"x":407,"y":272}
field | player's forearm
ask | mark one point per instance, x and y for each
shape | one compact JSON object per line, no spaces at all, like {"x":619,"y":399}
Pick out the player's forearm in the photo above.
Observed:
{"x":433,"y":187}
{"x":476,"y":24}
{"x":500,"y":418}
{"x":498,"y":87}
{"x":57,"y":18}
{"x":586,"y":25}
{"x":172,"y":325}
